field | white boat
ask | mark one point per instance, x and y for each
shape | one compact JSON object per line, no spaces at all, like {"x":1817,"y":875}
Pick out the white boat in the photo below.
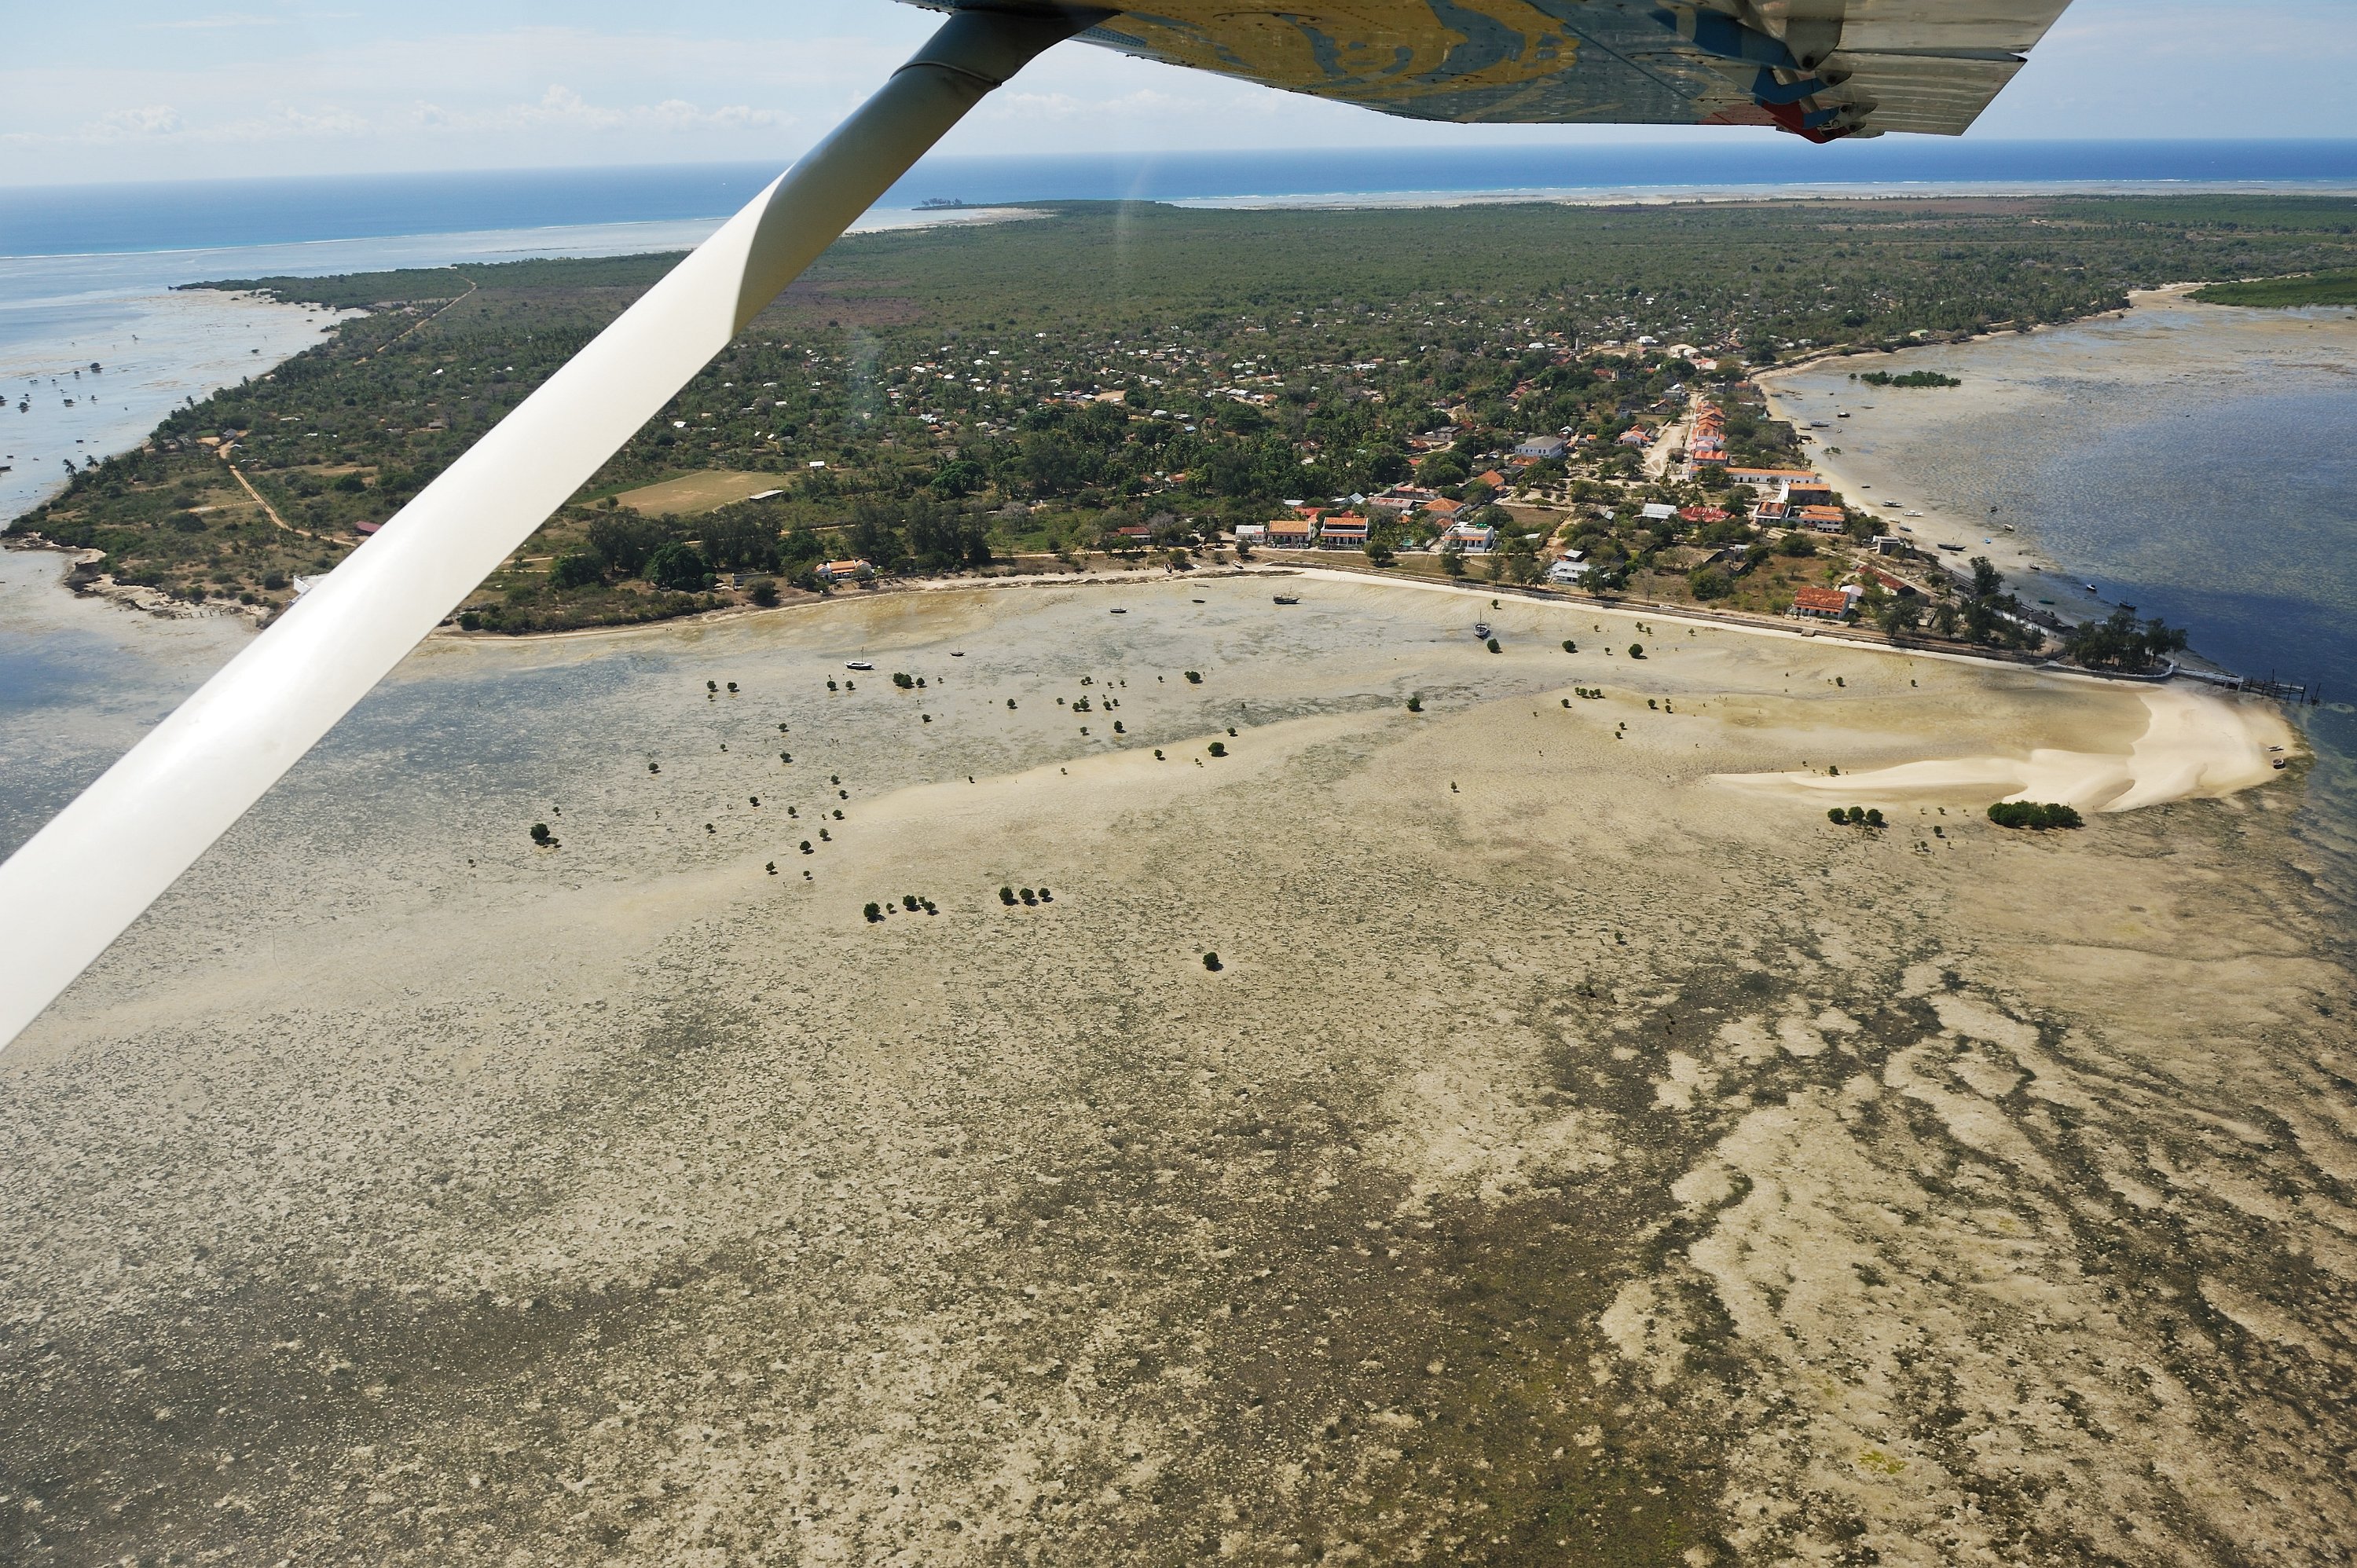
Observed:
{"x":858,"y":664}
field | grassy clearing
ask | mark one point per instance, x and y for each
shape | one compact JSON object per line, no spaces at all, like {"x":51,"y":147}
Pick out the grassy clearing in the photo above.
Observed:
{"x":2279,"y":293}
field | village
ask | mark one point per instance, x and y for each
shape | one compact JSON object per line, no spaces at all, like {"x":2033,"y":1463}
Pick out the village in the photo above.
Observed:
{"x":1604,"y":436}
{"x":1659,"y":511}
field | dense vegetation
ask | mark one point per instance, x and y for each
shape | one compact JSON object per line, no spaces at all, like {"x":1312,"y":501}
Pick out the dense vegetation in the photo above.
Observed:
{"x":1906,"y":379}
{"x":2314,"y":289}
{"x":2035,"y":815}
{"x":938,"y":399}
{"x":2121,"y":642}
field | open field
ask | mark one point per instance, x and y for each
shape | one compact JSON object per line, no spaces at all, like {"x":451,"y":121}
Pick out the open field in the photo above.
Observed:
{"x":1575,"y":1159}
{"x":2276,"y":293}
{"x":690,"y":495}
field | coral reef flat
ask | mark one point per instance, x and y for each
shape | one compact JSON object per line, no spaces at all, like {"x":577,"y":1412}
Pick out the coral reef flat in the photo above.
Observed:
{"x":1575,"y":1156}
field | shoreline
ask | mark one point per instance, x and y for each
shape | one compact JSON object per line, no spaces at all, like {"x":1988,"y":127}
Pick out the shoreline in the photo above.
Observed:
{"x":2193,"y":743}
{"x":132,"y":597}
{"x":160,"y":346}
{"x":2022,"y":550}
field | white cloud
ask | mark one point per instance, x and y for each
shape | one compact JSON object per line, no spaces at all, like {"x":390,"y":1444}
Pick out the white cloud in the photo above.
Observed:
{"x":214,"y":23}
{"x":286,"y":123}
{"x":126,"y":125}
{"x":563,"y":106}
{"x":132,"y":91}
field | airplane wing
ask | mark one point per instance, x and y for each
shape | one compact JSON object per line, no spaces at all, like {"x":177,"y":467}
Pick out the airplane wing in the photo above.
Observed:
{"x":1820,"y":69}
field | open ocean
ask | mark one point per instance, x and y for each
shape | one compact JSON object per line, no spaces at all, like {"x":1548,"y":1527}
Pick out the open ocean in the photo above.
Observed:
{"x":2241,"y":523}
{"x":51,"y":220}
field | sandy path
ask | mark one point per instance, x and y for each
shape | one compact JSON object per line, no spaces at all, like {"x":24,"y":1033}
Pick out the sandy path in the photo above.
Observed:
{"x":267,"y":509}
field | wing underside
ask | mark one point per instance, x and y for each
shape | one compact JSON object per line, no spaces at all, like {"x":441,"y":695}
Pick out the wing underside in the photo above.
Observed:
{"x":1822,"y":68}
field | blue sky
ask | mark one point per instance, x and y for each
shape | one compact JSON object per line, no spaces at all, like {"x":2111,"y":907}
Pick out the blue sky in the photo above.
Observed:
{"x":144,"y":90}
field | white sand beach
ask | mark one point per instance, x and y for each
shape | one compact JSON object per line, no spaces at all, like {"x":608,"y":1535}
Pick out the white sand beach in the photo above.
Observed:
{"x":2195,"y":745}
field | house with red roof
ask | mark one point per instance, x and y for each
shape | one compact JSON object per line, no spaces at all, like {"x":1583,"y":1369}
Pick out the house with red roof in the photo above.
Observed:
{"x":1343,"y":530}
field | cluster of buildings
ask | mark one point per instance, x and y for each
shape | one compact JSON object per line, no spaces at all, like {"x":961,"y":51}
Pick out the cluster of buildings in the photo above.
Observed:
{"x":1706,"y":441}
{"x":1314,"y":528}
{"x":1793,"y":497}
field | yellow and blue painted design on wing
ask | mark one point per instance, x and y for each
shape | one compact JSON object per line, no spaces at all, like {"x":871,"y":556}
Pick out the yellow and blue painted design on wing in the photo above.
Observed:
{"x":1871,"y":65}
{"x":1440,"y":60}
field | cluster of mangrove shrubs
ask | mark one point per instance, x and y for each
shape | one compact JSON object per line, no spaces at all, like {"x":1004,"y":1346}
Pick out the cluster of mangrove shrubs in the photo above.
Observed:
{"x":1906,"y":379}
{"x":2030,"y":814}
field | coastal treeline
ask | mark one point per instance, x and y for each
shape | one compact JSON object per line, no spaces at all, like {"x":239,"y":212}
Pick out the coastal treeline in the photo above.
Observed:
{"x":1132,"y":379}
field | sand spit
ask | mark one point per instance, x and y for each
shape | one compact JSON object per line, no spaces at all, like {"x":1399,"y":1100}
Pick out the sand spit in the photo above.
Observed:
{"x":2195,"y":745}
{"x":1573,"y":1160}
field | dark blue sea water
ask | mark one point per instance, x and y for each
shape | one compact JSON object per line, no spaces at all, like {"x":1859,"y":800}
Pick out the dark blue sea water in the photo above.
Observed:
{"x":196,"y":214}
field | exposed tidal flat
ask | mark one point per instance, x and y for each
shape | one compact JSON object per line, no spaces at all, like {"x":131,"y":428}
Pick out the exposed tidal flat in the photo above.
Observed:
{"x":1580,"y":1154}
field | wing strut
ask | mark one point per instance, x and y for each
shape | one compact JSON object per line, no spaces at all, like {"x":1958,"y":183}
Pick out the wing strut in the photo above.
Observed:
{"x":79,"y":882}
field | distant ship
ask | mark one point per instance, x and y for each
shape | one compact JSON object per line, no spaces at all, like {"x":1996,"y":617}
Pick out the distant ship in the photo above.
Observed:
{"x":934,"y":203}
